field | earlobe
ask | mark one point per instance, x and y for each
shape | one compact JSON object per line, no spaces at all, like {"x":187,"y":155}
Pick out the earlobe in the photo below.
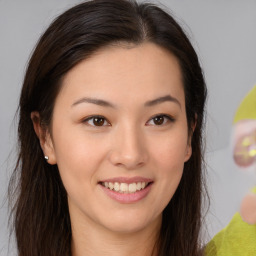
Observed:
{"x":189,"y":146}
{"x":44,"y":138}
{"x":188,"y":153}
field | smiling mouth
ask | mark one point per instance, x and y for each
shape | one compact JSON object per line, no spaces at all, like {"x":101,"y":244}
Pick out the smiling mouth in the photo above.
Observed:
{"x":125,"y":188}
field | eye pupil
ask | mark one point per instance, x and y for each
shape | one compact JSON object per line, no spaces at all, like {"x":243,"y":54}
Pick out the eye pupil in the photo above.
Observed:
{"x":98,"y":121}
{"x":158,"y":120}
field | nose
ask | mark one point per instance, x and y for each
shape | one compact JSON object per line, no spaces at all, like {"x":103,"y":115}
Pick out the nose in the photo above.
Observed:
{"x":129,"y":149}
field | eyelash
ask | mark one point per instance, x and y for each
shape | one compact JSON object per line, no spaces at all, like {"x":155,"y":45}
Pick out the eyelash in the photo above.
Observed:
{"x":167,"y":118}
{"x":92,"y":118}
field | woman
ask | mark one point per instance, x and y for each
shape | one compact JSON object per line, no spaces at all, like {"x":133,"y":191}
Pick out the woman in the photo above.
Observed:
{"x":111,"y":115}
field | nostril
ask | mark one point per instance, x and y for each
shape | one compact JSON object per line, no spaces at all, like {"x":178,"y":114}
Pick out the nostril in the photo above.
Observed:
{"x":128,"y":161}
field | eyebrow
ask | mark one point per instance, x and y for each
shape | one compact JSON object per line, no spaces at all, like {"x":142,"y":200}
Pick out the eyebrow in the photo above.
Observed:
{"x":104,"y":103}
{"x":95,"y":101}
{"x":162,"y":100}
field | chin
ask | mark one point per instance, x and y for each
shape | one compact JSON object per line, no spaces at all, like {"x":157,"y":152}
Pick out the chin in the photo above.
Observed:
{"x":131,"y":224}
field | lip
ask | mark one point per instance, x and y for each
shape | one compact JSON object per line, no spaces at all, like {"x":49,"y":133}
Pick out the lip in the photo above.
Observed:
{"x":127,"y":198}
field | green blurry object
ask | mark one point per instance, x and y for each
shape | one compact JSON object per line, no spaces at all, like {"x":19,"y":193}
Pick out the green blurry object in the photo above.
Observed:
{"x":247,"y":108}
{"x":237,"y":239}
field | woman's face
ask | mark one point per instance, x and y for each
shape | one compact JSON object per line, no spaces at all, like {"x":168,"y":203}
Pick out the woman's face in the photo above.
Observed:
{"x":120,"y":138}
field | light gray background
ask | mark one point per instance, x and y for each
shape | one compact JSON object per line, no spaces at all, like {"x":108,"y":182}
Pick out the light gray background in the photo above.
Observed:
{"x":223,"y":33}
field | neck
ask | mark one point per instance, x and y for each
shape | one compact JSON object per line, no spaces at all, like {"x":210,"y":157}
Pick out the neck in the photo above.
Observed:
{"x":97,"y":241}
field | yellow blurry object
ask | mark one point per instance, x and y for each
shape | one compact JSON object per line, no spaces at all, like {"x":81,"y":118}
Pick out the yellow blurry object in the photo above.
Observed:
{"x":247,"y":108}
{"x":237,"y":239}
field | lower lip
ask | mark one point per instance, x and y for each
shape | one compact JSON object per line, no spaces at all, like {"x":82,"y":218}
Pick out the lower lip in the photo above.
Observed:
{"x":127,"y":198}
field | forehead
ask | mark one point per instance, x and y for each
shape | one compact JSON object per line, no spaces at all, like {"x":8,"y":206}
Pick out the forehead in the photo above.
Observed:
{"x":121,"y":72}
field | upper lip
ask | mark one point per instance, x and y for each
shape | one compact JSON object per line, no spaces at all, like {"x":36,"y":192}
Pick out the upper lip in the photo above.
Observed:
{"x":128,"y":180}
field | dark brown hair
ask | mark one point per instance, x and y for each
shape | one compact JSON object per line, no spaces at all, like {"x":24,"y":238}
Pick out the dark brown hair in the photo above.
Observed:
{"x":40,"y":209}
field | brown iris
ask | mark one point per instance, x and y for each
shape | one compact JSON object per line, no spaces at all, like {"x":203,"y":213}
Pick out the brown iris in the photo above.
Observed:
{"x":98,"y":121}
{"x":158,"y":120}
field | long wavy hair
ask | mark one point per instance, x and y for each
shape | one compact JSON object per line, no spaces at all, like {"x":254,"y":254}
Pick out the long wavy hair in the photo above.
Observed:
{"x":39,"y":210}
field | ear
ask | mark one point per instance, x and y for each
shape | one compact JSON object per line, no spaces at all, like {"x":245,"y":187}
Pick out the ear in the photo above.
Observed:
{"x":44,"y":137}
{"x":188,"y":152}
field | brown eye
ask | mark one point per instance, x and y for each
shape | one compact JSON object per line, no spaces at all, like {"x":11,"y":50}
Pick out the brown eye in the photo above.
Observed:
{"x":96,"y":121}
{"x":160,"y":120}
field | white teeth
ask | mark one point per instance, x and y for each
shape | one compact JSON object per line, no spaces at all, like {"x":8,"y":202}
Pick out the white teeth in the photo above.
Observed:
{"x":116,"y":186}
{"x":110,"y":185}
{"x":138,"y":186}
{"x":132,"y":187}
{"x":125,"y":187}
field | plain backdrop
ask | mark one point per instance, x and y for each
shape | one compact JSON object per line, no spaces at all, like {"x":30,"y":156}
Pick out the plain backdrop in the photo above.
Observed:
{"x":223,"y":34}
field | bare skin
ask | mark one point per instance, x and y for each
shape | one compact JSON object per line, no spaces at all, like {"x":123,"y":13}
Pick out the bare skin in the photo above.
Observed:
{"x":92,"y":242}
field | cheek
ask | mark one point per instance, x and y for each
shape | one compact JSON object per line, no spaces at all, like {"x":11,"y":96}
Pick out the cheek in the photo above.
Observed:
{"x":170,"y":152}
{"x":78,"y":155}
{"x":168,"y":157}
{"x":78,"y":159}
